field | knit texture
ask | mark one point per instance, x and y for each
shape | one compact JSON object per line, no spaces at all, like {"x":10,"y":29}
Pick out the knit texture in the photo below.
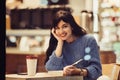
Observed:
{"x":74,"y":51}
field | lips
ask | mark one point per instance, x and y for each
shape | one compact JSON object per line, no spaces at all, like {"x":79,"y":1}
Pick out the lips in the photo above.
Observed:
{"x":63,"y":35}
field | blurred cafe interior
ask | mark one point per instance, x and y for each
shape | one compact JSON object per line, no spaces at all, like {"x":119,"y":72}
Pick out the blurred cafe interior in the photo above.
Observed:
{"x":28,"y":25}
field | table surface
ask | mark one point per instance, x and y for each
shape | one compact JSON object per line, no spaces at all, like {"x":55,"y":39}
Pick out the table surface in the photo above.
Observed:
{"x":111,"y":70}
{"x":51,"y":75}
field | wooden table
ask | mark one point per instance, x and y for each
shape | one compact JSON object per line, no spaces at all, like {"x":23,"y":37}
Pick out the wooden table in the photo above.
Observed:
{"x":51,"y":75}
{"x":111,"y":70}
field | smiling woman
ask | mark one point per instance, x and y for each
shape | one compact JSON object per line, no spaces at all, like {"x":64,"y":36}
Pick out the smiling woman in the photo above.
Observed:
{"x":69,"y":43}
{"x":63,"y":30}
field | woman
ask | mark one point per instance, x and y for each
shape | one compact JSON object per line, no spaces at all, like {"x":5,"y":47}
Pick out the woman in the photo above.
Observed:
{"x":68,"y":43}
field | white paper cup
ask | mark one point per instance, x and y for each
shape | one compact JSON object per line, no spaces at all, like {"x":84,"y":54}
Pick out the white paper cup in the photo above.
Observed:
{"x":31,"y":65}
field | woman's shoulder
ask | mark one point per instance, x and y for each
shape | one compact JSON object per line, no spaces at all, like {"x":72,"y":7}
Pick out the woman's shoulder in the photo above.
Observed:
{"x":88,"y":36}
{"x":88,"y":39}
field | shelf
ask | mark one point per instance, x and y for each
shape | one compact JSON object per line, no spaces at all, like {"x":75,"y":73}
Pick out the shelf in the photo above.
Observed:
{"x":17,"y":51}
{"x":41,"y":32}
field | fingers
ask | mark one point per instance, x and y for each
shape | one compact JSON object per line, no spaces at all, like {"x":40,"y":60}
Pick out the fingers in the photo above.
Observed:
{"x":53,"y":31}
{"x":68,"y":70}
{"x":71,"y":71}
{"x":54,"y":34}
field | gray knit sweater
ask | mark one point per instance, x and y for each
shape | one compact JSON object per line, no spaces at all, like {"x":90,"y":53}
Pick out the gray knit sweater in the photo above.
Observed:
{"x":76,"y":50}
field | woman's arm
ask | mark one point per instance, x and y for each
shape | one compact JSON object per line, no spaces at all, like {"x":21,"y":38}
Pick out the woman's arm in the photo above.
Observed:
{"x":92,"y":68}
{"x":72,"y":70}
{"x":94,"y":65}
{"x":56,"y":59}
{"x":54,"y":62}
{"x":58,"y":50}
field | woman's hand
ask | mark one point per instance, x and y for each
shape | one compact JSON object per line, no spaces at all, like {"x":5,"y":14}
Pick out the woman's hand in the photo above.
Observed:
{"x":58,"y":50}
{"x":71,"y":70}
{"x":55,"y":35}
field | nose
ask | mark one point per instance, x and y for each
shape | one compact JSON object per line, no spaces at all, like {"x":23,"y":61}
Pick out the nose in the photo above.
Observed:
{"x":61,"y":31}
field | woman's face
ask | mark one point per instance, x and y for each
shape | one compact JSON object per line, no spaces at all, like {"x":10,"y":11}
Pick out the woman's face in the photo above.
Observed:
{"x":64,"y":30}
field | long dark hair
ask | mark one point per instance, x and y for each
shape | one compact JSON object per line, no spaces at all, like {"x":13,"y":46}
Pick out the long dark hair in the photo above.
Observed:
{"x":68,"y":18}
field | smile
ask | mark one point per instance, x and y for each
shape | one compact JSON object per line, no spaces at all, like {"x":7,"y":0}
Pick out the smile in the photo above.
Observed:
{"x":63,"y":35}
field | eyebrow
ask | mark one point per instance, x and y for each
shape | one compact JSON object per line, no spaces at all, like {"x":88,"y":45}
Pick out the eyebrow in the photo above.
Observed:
{"x":62,"y":25}
{"x":65,"y":24}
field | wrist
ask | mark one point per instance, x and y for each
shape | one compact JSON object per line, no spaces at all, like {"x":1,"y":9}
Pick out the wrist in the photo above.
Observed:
{"x":60,"y":42}
{"x":58,"y":50}
{"x":83,"y":72}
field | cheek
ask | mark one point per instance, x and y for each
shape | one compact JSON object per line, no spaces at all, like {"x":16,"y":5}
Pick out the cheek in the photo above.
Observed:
{"x":57,"y":32}
{"x":69,"y":31}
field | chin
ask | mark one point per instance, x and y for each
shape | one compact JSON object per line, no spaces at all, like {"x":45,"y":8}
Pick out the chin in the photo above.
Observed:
{"x":63,"y":38}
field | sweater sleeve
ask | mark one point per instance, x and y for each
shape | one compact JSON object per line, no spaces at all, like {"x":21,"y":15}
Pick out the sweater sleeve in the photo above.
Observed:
{"x":54,"y":62}
{"x":94,"y":66}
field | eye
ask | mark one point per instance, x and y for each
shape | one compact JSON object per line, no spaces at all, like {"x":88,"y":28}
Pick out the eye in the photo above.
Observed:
{"x":65,"y":26}
{"x":56,"y":28}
